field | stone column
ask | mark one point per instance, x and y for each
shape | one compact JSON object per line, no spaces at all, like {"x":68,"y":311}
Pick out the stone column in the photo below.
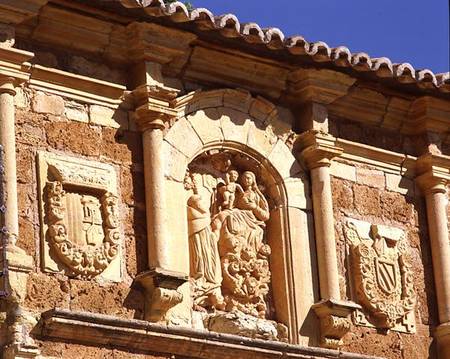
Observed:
{"x":153,"y":111}
{"x":434,"y":188}
{"x":8,"y":141}
{"x":317,"y":151}
{"x":152,"y":141}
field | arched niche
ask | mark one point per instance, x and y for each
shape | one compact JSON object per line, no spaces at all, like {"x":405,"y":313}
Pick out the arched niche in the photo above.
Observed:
{"x":233,"y":121}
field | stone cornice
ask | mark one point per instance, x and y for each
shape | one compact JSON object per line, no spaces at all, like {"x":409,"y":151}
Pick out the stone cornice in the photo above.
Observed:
{"x":14,"y":64}
{"x":387,"y":161}
{"x":151,"y":42}
{"x":318,"y":86}
{"x":429,"y":114}
{"x":17,"y":11}
{"x":77,"y":87}
{"x":145,"y":337}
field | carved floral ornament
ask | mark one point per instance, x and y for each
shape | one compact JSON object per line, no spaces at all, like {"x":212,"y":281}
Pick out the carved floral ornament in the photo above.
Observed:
{"x":382,"y":276}
{"x":80,"y":215}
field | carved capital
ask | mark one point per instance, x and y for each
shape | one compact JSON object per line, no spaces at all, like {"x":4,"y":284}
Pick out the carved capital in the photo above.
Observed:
{"x":335,"y":322}
{"x":154,"y":100}
{"x":317,"y":149}
{"x":162,"y":293}
{"x":434,"y":174}
{"x":319,"y":86}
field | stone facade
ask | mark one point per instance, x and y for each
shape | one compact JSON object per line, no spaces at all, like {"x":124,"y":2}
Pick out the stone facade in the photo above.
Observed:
{"x":188,"y":186}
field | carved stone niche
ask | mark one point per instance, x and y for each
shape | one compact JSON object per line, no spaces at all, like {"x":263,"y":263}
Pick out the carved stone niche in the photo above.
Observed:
{"x":80,"y":233}
{"x":381,"y":277}
{"x":228,"y":208}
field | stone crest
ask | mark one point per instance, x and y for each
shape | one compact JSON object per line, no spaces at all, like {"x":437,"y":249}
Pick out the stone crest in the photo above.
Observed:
{"x":79,"y":210}
{"x":383,"y":280}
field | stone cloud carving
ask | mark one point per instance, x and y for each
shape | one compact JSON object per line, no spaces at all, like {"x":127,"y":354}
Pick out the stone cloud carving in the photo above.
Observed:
{"x":383,"y":278}
{"x":79,"y":211}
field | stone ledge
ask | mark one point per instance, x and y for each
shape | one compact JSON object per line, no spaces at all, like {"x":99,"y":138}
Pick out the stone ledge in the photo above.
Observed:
{"x":142,"y":336}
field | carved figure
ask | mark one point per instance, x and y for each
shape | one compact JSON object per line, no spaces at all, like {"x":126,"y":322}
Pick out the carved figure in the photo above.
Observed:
{"x":384,"y":282}
{"x":204,"y":256}
{"x":228,"y":255}
{"x":228,"y":191}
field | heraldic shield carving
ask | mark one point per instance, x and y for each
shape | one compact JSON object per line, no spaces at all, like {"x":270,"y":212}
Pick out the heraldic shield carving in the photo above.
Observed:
{"x":383,"y":281}
{"x":79,"y":210}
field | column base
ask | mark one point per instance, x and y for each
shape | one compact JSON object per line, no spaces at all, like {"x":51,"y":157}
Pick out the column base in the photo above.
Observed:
{"x":162,"y":293}
{"x":442,"y":336}
{"x":335,"y":321}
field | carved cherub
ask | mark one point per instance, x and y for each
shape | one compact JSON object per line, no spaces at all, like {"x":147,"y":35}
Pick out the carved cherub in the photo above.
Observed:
{"x":228,"y":191}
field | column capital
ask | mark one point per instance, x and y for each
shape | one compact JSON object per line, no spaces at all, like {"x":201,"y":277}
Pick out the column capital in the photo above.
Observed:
{"x":154,"y":106}
{"x":7,"y":85}
{"x":434,"y":173}
{"x":317,"y":149}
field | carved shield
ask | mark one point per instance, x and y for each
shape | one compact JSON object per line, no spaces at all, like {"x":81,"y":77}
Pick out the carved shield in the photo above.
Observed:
{"x":386,"y":275}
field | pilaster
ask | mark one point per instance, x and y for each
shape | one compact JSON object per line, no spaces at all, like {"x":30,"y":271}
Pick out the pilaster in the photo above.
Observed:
{"x":154,"y":110}
{"x":434,"y":176}
{"x":317,"y":149}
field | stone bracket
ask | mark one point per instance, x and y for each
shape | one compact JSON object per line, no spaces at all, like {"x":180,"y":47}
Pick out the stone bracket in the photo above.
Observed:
{"x":161,"y":292}
{"x":335,"y":320}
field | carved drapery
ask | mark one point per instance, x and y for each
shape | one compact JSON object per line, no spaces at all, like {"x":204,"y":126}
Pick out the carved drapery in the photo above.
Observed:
{"x":228,"y":251}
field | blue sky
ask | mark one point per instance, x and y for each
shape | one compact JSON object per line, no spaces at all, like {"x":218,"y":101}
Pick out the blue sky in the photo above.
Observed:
{"x":414,"y":31}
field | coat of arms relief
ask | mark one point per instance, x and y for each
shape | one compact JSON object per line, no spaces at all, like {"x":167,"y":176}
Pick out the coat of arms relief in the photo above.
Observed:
{"x":79,"y":212}
{"x":382,"y":277}
{"x":229,"y":254}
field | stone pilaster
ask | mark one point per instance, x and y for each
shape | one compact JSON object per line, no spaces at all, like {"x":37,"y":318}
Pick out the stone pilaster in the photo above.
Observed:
{"x":317,"y":151}
{"x":153,"y":110}
{"x":433,"y":182}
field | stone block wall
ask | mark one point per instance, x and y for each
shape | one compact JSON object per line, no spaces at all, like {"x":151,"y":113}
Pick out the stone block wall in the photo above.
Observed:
{"x":47,"y":122}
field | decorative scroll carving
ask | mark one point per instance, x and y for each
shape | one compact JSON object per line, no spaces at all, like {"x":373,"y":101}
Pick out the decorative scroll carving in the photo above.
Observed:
{"x":335,"y":322}
{"x":383,"y":278}
{"x":80,"y":215}
{"x":101,"y":240}
{"x":229,"y":255}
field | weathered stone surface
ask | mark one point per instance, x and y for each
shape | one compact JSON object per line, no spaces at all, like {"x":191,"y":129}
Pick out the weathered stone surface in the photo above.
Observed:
{"x":108,"y":117}
{"x":206,"y":124}
{"x":246,"y":325}
{"x":369,"y":177}
{"x":50,"y":104}
{"x":76,"y":112}
{"x":400,"y":184}
{"x":343,"y":171}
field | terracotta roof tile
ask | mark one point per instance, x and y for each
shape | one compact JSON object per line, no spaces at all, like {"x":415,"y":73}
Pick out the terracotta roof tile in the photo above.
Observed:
{"x":229,"y":26}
